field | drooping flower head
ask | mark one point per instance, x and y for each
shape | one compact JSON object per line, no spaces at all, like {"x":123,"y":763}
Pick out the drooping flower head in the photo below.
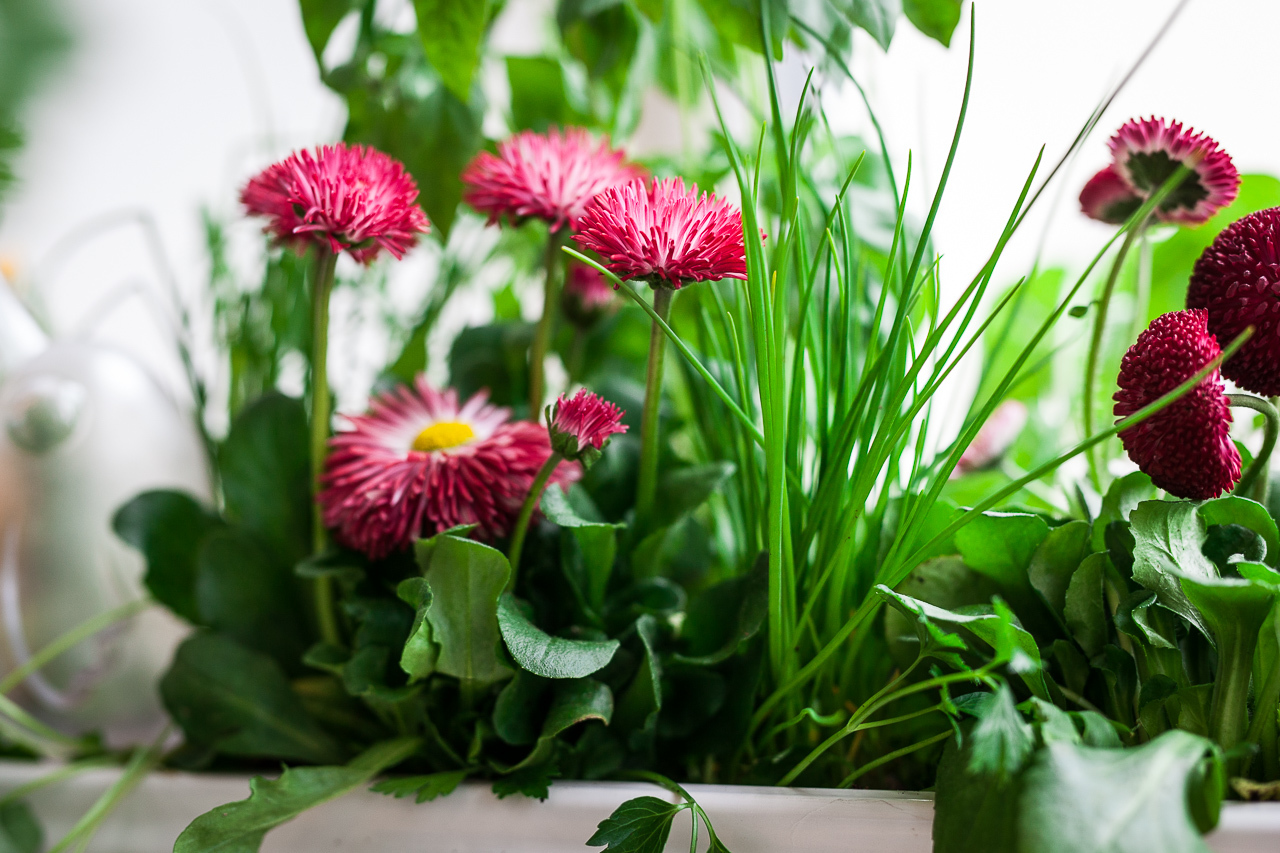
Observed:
{"x":580,"y":425}
{"x":1237,"y":280}
{"x":1146,"y":152}
{"x":418,"y":463}
{"x":549,"y":176}
{"x":1185,"y":448}
{"x":664,"y":233}
{"x":587,"y":298}
{"x":995,"y":437}
{"x":346,"y":197}
{"x":1107,"y":197}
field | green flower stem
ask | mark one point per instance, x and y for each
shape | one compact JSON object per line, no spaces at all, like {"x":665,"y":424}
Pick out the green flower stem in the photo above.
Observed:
{"x":322,"y":287}
{"x":647,"y":485}
{"x":1229,"y":713}
{"x":1263,"y":725}
{"x":71,"y":639}
{"x":1256,"y":480}
{"x":1095,"y":343}
{"x":542,"y":335}
{"x":577,"y":355}
{"x":526,"y":514}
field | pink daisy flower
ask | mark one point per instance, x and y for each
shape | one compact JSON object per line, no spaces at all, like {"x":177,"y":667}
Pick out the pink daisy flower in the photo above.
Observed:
{"x":418,"y":463}
{"x":348,"y":197}
{"x":1107,"y":197}
{"x":1145,"y":152}
{"x":1237,"y":280}
{"x":549,"y":176}
{"x":587,"y":298}
{"x":995,"y":437}
{"x":1186,"y":447}
{"x":662,"y":232}
{"x":582,"y":424}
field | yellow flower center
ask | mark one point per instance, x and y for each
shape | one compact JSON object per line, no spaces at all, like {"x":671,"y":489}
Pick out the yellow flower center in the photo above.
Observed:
{"x":443,"y":435}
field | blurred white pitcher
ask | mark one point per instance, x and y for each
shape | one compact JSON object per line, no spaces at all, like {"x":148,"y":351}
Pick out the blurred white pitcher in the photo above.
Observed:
{"x":83,"y":428}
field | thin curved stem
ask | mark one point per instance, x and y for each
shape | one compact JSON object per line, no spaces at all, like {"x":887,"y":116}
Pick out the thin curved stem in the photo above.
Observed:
{"x":542,"y":335}
{"x":70,"y":640}
{"x":1095,"y":343}
{"x":322,"y":287}
{"x":1256,"y":481}
{"x":526,"y":514}
{"x":647,"y":484}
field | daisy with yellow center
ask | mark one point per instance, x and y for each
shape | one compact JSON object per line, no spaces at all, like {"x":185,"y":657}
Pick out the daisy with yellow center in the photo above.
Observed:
{"x":418,"y":463}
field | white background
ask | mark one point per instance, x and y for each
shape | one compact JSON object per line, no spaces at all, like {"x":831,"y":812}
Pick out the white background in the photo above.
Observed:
{"x":168,"y":105}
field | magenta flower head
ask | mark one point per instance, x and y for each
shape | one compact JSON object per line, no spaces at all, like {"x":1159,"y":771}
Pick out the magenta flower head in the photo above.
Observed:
{"x":549,"y":176}
{"x":346,"y":197}
{"x":1237,"y":280}
{"x":581,"y":426}
{"x":1145,"y":152}
{"x":664,"y":234}
{"x":1107,"y":197}
{"x":1186,"y":447}
{"x":418,"y":463}
{"x":587,"y":298}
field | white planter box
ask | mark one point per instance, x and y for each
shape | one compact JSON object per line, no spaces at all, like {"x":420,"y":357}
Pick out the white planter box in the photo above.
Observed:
{"x":472,"y":820}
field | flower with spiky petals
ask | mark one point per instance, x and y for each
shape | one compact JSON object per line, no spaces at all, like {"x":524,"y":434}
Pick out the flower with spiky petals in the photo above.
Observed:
{"x":551,"y":176}
{"x":345,"y":197}
{"x":418,"y":463}
{"x":1146,"y":152}
{"x":664,"y":233}
{"x":1186,"y":447}
{"x":582,"y":424}
{"x":996,"y":436}
{"x":1237,"y":279}
{"x":587,"y":298}
{"x":1107,"y":197}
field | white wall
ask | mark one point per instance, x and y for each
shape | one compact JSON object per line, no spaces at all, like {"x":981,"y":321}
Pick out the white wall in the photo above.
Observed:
{"x":166,"y":105}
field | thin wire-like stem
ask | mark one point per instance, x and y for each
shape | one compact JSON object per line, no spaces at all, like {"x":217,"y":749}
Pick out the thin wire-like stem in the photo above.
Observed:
{"x":1256,"y":480}
{"x":70,"y":640}
{"x":1095,"y":342}
{"x":647,"y":483}
{"x":892,"y":756}
{"x":554,"y":264}
{"x":322,"y":287}
{"x":526,"y":514}
{"x":144,"y":760}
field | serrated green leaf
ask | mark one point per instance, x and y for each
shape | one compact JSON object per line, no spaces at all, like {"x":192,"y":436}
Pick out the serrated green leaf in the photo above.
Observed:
{"x":168,"y":528}
{"x":640,"y":825}
{"x":1000,"y":545}
{"x":1085,"y":611}
{"x":266,"y":476}
{"x":466,"y":578}
{"x":20,"y":832}
{"x":240,"y":827}
{"x":547,"y":656}
{"x":1002,"y":740}
{"x":1168,"y":537}
{"x":422,"y":788}
{"x":452,"y":32}
{"x":877,"y":17}
{"x":1079,"y":799}
{"x":1121,"y":499}
{"x":239,"y":702}
{"x":420,"y":654}
{"x":935,"y":18}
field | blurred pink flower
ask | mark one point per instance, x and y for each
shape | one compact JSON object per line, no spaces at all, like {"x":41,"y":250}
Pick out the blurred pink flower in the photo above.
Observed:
{"x":347,"y":197}
{"x":1107,"y":197}
{"x":549,"y":176}
{"x":586,"y":297}
{"x":995,"y":437}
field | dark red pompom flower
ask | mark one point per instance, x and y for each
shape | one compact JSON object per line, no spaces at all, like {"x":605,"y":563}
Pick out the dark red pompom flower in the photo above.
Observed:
{"x":1237,"y":280}
{"x":1186,"y":447}
{"x":346,"y":197}
{"x":664,"y":233}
